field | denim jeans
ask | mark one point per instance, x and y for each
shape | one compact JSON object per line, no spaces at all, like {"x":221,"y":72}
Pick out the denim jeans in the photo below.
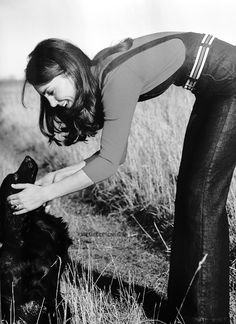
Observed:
{"x":206,"y":169}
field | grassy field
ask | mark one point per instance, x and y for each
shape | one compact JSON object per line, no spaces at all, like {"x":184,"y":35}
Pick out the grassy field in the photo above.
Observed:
{"x":121,"y":228}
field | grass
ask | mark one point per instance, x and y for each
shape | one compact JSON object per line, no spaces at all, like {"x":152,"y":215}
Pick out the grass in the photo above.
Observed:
{"x":91,"y":305}
{"x":121,"y":227}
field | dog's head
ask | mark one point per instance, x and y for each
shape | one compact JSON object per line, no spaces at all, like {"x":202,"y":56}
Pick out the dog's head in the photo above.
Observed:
{"x":10,"y":223}
{"x":25,"y":174}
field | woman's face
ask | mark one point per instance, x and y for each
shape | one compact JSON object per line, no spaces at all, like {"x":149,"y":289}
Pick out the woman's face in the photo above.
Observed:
{"x":60,"y":91}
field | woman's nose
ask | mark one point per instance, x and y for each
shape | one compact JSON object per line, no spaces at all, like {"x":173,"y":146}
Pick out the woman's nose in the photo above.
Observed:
{"x":52,"y":101}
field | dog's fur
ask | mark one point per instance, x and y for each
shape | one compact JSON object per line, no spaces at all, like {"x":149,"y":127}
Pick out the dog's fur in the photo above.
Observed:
{"x":33,"y":255}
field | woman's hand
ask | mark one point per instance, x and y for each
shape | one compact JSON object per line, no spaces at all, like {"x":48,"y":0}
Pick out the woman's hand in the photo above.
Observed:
{"x":53,"y":185}
{"x":30,"y":198}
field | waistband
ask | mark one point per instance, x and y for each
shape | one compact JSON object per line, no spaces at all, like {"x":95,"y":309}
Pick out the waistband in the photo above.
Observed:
{"x":199,"y":62}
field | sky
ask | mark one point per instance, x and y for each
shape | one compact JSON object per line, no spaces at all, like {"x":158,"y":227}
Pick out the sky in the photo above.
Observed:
{"x":95,"y":24}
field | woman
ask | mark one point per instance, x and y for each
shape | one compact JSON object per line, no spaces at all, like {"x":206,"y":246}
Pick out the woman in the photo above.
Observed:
{"x":79,"y":96}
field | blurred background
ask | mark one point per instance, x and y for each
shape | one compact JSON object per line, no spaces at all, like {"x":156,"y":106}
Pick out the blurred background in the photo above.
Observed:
{"x":92,"y":24}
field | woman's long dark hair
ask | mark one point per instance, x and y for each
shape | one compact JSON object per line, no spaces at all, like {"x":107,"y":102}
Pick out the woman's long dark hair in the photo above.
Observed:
{"x":53,"y":57}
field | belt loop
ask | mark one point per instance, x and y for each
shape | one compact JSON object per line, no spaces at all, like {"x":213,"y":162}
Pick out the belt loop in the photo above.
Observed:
{"x":199,"y":61}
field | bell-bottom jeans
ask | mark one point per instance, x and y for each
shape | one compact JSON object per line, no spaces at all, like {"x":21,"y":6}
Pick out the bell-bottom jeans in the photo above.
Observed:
{"x":198,"y":289}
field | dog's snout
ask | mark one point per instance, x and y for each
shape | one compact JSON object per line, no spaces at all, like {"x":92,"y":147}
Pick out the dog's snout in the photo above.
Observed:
{"x":28,"y":158}
{"x":27,"y":170}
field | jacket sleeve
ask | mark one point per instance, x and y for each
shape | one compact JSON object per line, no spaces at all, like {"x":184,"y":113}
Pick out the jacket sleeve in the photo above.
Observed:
{"x":120,"y":96}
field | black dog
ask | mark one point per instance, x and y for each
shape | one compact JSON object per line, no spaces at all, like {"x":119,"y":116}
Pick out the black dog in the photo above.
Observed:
{"x":33,"y":255}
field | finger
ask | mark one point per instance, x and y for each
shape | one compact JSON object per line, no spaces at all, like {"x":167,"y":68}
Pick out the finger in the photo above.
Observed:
{"x":21,"y":185}
{"x":13,"y":198}
{"x":47,"y":208}
{"x":19,"y":212}
{"x":14,"y":205}
{"x":19,"y":207}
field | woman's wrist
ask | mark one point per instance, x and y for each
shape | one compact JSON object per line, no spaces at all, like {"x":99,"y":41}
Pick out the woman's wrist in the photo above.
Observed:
{"x":48,"y":193}
{"x":69,"y":184}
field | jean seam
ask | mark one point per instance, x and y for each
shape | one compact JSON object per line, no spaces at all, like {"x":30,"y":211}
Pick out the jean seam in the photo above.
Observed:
{"x":205,"y":186}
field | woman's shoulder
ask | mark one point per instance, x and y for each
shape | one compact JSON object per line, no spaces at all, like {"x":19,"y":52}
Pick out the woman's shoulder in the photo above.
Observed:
{"x":104,"y":64}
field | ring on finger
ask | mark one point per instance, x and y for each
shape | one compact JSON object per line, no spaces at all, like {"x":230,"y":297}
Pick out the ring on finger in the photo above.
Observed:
{"x":17,"y":206}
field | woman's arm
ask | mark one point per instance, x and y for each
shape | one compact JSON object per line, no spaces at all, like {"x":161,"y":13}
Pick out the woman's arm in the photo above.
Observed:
{"x":119,"y":97}
{"x":60,"y":174}
{"x":68,"y":184}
